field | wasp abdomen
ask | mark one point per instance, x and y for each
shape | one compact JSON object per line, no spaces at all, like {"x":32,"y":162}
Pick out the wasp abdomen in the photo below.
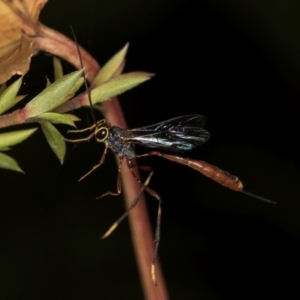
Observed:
{"x":222,"y":177}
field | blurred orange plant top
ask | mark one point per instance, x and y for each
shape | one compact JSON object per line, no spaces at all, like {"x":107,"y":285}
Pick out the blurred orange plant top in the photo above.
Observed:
{"x":18,"y":23}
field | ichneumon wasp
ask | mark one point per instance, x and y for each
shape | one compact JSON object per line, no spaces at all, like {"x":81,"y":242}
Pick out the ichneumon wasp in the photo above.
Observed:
{"x":177,"y":135}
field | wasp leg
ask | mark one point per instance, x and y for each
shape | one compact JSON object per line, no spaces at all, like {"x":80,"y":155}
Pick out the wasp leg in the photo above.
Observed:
{"x":84,"y":129}
{"x":81,"y":140}
{"x":96,"y":166}
{"x":131,"y":165}
{"x":158,"y":221}
{"x":119,"y":186}
{"x":126,"y":213}
{"x":156,"y":241}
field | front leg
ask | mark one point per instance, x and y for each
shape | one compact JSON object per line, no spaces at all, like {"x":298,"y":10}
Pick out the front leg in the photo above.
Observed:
{"x":82,"y":130}
{"x":96,"y":166}
{"x":81,"y":140}
{"x":119,"y":186}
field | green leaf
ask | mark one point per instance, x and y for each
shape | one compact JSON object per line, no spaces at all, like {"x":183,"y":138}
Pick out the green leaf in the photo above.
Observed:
{"x":52,"y":96}
{"x":77,"y":86}
{"x":118,"y":85}
{"x":2,"y":88}
{"x":119,"y":71}
{"x":7,"y":162}
{"x":14,"y":137}
{"x":74,"y":89}
{"x":8,"y":97}
{"x":55,"y":140}
{"x":48,"y":82}
{"x":73,"y":117}
{"x":110,"y":68}
{"x":19,"y":98}
{"x":56,"y":118}
{"x":58,"y":70}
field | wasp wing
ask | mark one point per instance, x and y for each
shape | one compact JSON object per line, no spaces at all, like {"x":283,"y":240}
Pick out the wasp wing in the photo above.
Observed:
{"x":178,"y":134}
{"x":188,"y":120}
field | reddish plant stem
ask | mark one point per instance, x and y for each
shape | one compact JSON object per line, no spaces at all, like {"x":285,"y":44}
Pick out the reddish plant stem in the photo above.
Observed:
{"x":58,"y":44}
{"x":14,"y":118}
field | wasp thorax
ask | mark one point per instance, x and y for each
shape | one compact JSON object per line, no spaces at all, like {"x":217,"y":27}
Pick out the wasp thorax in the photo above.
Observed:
{"x":101,"y":134}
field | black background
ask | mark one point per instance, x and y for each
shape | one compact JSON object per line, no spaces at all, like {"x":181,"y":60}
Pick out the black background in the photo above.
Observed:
{"x":237,"y":63}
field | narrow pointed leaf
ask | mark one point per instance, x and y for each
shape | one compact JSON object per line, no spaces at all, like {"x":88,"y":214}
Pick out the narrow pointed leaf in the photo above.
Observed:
{"x":52,"y":96}
{"x":8,"y":97}
{"x":20,"y":98}
{"x":73,"y":117}
{"x":7,"y":162}
{"x":48,"y":82}
{"x":2,"y":88}
{"x":77,"y":86}
{"x":11,"y":138}
{"x":118,"y":85}
{"x":55,"y":140}
{"x":65,"y":99}
{"x":74,"y":89}
{"x":58,"y":70}
{"x":56,"y":118}
{"x":110,"y":68}
{"x":119,"y":71}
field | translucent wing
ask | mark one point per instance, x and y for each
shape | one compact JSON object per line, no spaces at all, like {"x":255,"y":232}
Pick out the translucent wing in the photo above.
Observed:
{"x":178,"y":134}
{"x":190,"y":120}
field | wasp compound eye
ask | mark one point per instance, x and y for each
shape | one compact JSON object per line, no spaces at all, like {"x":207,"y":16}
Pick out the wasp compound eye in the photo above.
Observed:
{"x":101,"y":134}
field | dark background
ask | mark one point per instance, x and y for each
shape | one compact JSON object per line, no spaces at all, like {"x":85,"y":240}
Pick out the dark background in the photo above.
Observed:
{"x":237,"y":63}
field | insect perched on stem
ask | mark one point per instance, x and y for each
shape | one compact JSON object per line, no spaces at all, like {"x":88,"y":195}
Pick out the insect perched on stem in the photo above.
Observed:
{"x":177,"y":135}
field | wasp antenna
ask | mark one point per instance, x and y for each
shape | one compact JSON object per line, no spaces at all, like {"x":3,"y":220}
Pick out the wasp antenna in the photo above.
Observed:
{"x":258,"y":197}
{"x":84,"y":77}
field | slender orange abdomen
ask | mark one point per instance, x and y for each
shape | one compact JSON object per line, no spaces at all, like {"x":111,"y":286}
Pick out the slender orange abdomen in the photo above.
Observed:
{"x":222,"y":177}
